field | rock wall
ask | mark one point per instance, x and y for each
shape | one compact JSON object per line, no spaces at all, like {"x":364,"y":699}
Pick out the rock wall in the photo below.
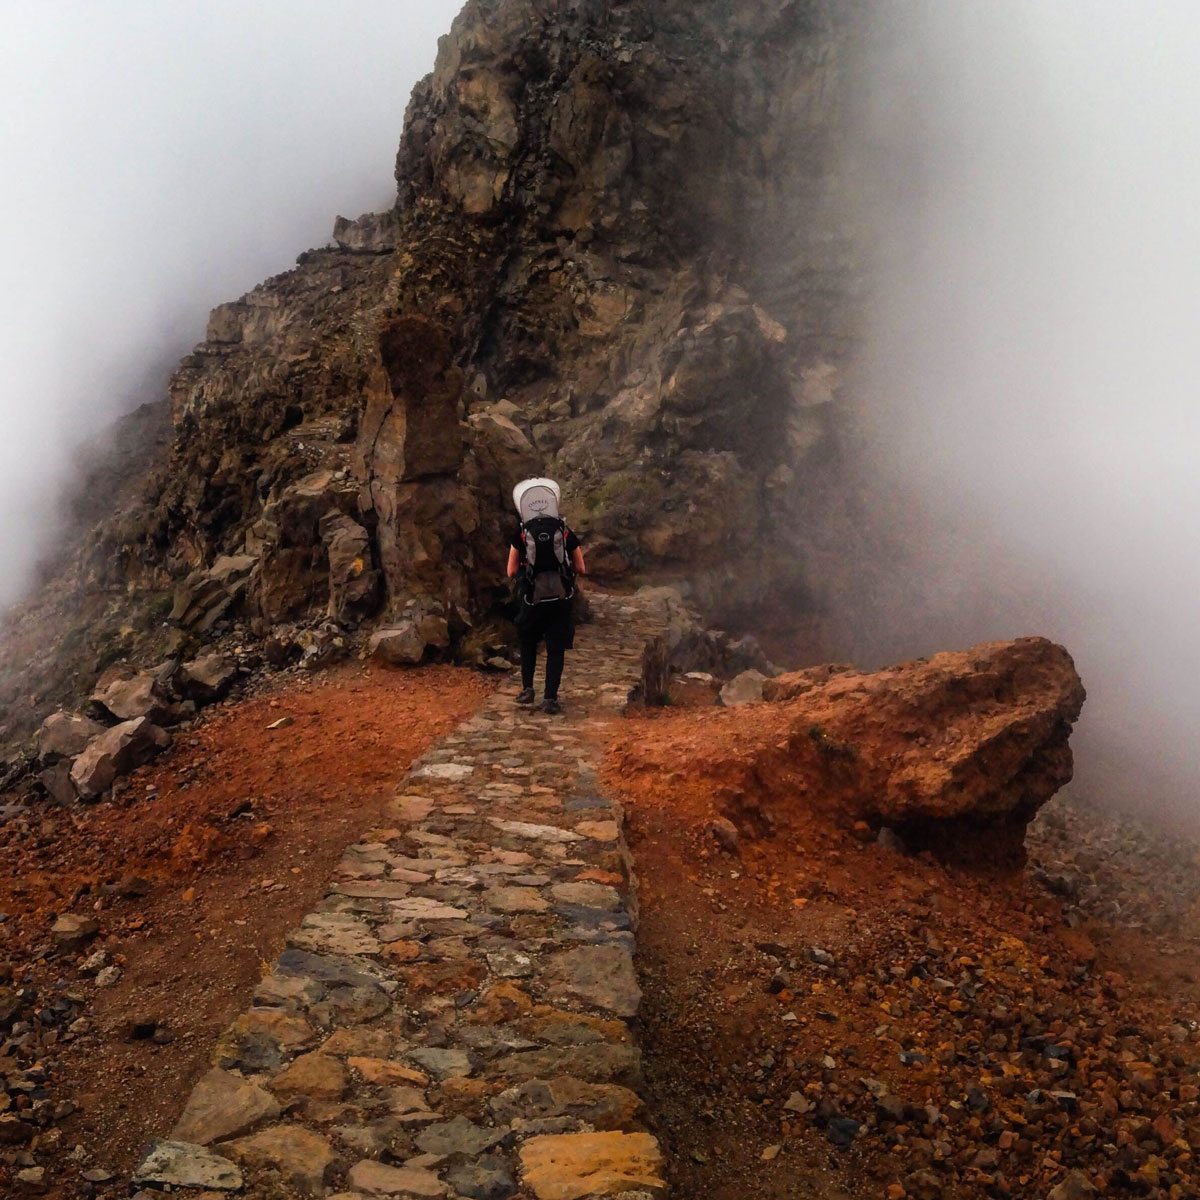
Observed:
{"x":676,"y":374}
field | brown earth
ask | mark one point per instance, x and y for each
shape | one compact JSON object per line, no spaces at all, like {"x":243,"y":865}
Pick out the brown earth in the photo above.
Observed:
{"x":229,"y":839}
{"x":827,"y":1016}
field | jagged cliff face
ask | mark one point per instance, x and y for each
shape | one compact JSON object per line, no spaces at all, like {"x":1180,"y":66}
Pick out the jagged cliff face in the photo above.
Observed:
{"x":671,"y":309}
{"x":617,"y":257}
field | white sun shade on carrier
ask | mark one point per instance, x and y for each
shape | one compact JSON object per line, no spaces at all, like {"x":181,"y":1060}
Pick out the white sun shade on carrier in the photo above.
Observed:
{"x":537,"y":498}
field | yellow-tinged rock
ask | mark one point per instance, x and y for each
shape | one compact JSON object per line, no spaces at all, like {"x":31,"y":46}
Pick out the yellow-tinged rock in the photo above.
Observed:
{"x":317,"y":1075}
{"x":289,"y":1031}
{"x":570,"y":1166}
{"x":402,"y":951}
{"x":600,"y":831}
{"x":299,"y":1155}
{"x":387,"y":1072}
{"x":365,"y":1043}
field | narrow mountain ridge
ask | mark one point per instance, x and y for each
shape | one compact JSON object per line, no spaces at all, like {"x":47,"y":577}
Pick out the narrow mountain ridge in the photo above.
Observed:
{"x":617,"y":255}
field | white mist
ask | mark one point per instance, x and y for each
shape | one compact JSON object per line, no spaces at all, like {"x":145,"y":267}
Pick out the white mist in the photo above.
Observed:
{"x":157,"y":159}
{"x":1033,"y":191}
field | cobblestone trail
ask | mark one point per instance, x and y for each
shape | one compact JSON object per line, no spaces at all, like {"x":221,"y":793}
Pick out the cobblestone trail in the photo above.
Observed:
{"x":454,"y":1020}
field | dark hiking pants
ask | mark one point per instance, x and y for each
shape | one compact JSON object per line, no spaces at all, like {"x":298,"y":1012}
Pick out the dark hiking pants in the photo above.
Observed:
{"x":549,"y":623}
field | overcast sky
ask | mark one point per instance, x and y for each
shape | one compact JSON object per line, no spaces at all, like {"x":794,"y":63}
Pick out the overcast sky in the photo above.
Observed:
{"x":157,"y":158}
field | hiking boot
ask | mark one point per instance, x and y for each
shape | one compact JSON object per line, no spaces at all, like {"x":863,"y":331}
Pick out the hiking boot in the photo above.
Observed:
{"x":551,"y":705}
{"x":525,"y":696}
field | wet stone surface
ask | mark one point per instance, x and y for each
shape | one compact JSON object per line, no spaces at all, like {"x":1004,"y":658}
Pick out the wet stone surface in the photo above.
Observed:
{"x":454,"y":1018}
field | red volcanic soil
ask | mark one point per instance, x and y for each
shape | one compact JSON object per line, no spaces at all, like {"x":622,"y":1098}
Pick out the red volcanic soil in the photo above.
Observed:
{"x":829,"y":1016}
{"x":196,"y":871}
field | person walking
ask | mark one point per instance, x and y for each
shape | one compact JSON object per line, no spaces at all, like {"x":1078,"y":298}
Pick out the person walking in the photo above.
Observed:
{"x":544,"y":557}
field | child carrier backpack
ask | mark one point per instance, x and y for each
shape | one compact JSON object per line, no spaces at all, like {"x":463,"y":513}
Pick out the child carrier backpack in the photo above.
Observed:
{"x":548,"y":573}
{"x":547,"y":564}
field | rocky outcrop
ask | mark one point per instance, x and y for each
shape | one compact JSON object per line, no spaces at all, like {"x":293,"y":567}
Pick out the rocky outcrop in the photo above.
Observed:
{"x":638,"y":190}
{"x":957,"y":752}
{"x":116,"y":752}
{"x":572,"y":281}
{"x":372,"y":233}
{"x":205,"y":596}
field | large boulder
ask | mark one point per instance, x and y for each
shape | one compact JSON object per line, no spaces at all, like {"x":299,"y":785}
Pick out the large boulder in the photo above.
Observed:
{"x":746,"y":688}
{"x":64,"y":735}
{"x":957,"y":752}
{"x":980,"y":737}
{"x":497,"y":441}
{"x":207,"y":678}
{"x":397,"y":645}
{"x":406,"y":642}
{"x":116,"y":752}
{"x":134,"y":696}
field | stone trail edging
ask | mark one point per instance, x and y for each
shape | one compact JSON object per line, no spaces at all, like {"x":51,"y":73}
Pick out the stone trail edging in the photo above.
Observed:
{"x":455,"y":1018}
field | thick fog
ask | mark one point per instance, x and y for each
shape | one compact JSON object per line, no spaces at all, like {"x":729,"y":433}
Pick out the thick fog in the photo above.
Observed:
{"x":1033,"y":183}
{"x":159,"y":158}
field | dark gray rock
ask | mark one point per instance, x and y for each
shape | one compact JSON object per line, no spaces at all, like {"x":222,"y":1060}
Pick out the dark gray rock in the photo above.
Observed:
{"x":489,"y":1177}
{"x":602,"y":976}
{"x":459,"y":1136}
{"x":328,"y":969}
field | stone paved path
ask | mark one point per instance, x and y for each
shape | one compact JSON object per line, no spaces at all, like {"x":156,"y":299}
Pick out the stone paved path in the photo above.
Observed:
{"x":455,"y":1017}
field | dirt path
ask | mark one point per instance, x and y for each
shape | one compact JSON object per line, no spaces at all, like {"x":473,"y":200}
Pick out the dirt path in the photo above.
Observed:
{"x":213,"y":853}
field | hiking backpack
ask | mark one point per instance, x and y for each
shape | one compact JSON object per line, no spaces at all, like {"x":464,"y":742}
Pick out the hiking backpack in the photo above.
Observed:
{"x":548,"y":571}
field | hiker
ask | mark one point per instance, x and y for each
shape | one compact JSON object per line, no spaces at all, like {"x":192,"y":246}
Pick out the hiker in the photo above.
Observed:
{"x":544,"y":557}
